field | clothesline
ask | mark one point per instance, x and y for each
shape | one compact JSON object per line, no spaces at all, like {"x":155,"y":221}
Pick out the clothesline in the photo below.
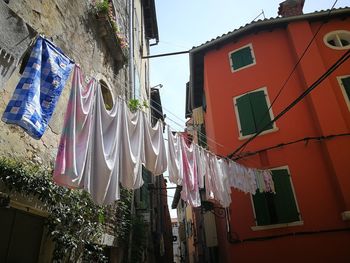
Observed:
{"x":100,"y":149}
{"x":194,"y":167}
{"x":89,"y":62}
{"x":180,"y":125}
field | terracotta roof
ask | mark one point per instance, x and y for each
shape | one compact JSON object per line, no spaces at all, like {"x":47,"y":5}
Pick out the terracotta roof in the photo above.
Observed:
{"x":272,"y":21}
{"x":197,"y":53}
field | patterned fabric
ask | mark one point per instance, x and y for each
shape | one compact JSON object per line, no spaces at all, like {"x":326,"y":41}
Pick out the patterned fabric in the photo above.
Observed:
{"x":37,"y":93}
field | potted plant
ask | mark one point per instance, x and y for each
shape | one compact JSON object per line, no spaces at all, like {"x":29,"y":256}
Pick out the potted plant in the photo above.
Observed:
{"x":101,"y":8}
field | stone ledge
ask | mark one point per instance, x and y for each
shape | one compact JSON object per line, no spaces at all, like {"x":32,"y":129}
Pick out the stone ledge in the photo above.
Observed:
{"x":106,"y":32}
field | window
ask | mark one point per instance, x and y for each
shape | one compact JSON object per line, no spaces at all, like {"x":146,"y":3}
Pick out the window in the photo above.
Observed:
{"x":107,"y":95}
{"x":339,"y":39}
{"x":344,"y":83}
{"x":242,"y":58}
{"x":277,"y":208}
{"x":253,"y":113}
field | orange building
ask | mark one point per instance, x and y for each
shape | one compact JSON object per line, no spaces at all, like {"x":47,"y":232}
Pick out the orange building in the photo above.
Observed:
{"x":242,"y":80}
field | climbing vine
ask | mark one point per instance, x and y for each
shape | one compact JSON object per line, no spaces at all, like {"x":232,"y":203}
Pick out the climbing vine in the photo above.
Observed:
{"x":135,"y":105}
{"x":75,"y":223}
{"x":139,"y":239}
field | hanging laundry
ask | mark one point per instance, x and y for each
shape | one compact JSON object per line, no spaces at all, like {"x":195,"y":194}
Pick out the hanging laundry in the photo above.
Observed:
{"x":226,"y":188}
{"x":39,"y":88}
{"x":117,"y":143}
{"x":222,"y":191}
{"x":16,"y":37}
{"x":198,"y":116}
{"x":190,"y":189}
{"x":75,"y":138}
{"x":264,"y":181}
{"x":175,"y":162}
{"x":201,"y":164}
{"x":141,"y":144}
{"x":209,"y":177}
{"x":193,"y":167}
{"x":260,"y":182}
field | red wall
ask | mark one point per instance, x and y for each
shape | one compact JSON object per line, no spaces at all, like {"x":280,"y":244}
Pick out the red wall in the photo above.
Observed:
{"x":319,"y":170}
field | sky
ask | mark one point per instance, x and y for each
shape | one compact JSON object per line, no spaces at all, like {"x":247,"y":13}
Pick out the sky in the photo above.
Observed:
{"x":183,"y":24}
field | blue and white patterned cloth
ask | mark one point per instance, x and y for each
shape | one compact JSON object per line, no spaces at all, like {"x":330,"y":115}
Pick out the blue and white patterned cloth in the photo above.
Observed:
{"x":37,"y":93}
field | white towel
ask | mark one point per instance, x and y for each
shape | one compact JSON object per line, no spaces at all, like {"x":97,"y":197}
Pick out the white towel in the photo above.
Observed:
{"x":100,"y":149}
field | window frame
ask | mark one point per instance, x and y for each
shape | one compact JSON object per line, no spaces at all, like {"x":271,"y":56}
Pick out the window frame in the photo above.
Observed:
{"x":274,"y":127}
{"x":100,"y":78}
{"x":278,"y":225}
{"x":342,"y":88}
{"x":336,"y":33}
{"x":238,"y":49}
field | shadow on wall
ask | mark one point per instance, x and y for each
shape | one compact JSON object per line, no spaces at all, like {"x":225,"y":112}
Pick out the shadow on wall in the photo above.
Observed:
{"x":15,"y":38}
{"x":7,"y":66}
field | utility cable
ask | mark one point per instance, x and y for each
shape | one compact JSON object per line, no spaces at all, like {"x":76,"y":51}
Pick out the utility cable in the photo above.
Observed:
{"x":306,"y":139}
{"x":128,"y":93}
{"x":267,"y":113}
{"x":339,"y":62}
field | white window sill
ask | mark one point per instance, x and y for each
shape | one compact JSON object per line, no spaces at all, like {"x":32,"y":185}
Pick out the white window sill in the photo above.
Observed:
{"x":295,"y":223}
{"x":244,"y":67}
{"x":274,"y":129}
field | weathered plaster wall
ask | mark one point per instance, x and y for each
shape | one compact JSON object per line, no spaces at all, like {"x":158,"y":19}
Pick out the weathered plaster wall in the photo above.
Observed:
{"x":73,"y":28}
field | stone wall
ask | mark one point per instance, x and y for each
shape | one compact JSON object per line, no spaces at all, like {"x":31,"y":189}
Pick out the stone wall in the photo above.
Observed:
{"x":72,"y":26}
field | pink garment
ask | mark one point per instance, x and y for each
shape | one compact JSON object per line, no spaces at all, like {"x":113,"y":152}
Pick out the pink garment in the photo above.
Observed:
{"x":270,"y":187}
{"x":190,"y":190}
{"x":193,"y":167}
{"x":73,"y":147}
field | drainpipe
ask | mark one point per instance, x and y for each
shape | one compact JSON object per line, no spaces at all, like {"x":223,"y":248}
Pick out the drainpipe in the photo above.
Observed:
{"x":132,"y":89}
{"x":131,"y":48}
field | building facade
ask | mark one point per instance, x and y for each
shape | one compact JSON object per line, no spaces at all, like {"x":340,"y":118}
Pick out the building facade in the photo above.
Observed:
{"x":176,"y":240}
{"x":108,"y":40}
{"x":243,"y":80}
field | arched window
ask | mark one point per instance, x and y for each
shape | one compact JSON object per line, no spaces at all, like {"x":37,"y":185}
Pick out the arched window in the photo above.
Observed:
{"x":339,"y":39}
{"x":107,"y":95}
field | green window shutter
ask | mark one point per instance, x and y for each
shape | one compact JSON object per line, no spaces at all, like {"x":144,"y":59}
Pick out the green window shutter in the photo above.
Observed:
{"x":261,"y":209}
{"x":346,"y":84}
{"x":260,"y":110}
{"x":246,"y":116}
{"x":285,"y":205}
{"x":241,"y":58}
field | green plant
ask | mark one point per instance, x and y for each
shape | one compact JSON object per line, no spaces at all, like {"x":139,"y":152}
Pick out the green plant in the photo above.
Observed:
{"x":75,"y":223}
{"x":135,"y":104}
{"x":106,"y":7}
{"x":139,"y":239}
{"x":123,"y":212}
{"x":145,"y":104}
{"x":102,"y":6}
